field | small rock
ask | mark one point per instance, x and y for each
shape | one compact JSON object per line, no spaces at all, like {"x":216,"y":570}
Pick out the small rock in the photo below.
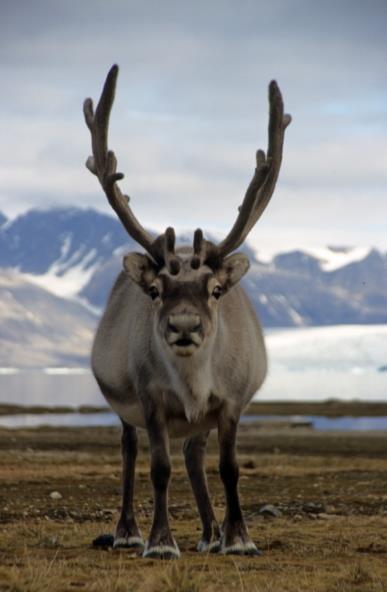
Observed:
{"x":270,"y":511}
{"x":324,"y":516}
{"x":372,"y":548}
{"x":55,"y":495}
{"x":74,"y":514}
{"x":276,"y":544}
{"x":313,"y":508}
{"x":249,"y":464}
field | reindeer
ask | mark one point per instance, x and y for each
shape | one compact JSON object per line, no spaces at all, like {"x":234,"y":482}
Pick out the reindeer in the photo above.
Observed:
{"x":179,"y":350}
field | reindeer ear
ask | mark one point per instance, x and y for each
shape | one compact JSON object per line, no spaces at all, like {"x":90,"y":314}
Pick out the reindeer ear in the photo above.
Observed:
{"x":232,"y":270}
{"x":140,"y":269}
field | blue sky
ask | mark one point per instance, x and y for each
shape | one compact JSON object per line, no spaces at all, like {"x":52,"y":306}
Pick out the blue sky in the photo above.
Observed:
{"x":191,"y":109}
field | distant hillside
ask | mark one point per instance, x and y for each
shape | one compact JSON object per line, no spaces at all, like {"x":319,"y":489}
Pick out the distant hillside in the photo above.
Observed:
{"x":39,"y":329}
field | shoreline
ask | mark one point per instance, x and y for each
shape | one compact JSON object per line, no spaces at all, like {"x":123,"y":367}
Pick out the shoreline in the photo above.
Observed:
{"x":328,"y":408}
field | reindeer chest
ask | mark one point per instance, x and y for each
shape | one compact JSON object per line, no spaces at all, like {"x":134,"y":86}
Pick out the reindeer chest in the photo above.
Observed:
{"x":193,"y":389}
{"x":188,"y":386}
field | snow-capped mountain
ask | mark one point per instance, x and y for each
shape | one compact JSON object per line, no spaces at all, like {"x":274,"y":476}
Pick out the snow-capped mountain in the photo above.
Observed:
{"x":294,"y":289}
{"x":60,"y":248}
{"x":75,"y":254}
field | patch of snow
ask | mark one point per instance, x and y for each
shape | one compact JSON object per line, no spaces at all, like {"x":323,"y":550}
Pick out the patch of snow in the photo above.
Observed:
{"x":65,"y":371}
{"x":329,"y":258}
{"x":95,"y":310}
{"x":7,"y":224}
{"x":123,"y":250}
{"x":332,"y":258}
{"x":63,"y":279}
{"x":297,"y":319}
{"x":9,"y":371}
{"x":265,"y":255}
{"x":65,"y":248}
{"x":12,"y":309}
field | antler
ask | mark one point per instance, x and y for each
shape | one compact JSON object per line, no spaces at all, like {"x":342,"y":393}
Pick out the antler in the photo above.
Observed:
{"x":103,"y":164}
{"x":261,"y":187}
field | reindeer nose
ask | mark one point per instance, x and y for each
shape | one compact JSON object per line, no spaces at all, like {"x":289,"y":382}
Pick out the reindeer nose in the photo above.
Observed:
{"x":184,"y":323}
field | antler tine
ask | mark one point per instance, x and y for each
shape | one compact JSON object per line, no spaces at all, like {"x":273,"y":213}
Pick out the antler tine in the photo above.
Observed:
{"x":263,"y":183}
{"x":198,"y":249}
{"x":278,"y":122}
{"x":103,"y":164}
{"x":170,"y":259}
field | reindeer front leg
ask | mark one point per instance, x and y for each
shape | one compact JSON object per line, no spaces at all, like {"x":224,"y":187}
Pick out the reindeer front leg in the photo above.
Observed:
{"x":161,"y":543}
{"x":194,"y":453}
{"x":127,"y":532}
{"x":235,"y":538}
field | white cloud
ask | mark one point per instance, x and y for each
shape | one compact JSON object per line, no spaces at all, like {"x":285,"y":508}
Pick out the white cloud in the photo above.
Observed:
{"x":191,"y":109}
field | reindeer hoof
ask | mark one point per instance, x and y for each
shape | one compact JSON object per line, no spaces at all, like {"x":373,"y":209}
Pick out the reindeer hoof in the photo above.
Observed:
{"x":241,"y":548}
{"x":205,"y":547}
{"x":161,"y":551}
{"x":131,"y":542}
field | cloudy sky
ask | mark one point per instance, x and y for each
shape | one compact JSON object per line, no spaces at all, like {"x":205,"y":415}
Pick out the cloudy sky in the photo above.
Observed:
{"x":191,"y":109}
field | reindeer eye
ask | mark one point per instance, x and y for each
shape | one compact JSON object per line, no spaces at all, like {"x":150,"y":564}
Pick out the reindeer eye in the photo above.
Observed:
{"x":153,"y":292}
{"x":217,"y":292}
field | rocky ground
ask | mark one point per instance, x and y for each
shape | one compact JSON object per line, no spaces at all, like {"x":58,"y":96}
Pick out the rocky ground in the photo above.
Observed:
{"x":315,"y":503}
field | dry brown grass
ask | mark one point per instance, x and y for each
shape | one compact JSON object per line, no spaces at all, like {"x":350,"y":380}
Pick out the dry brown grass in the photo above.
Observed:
{"x":45,"y":544}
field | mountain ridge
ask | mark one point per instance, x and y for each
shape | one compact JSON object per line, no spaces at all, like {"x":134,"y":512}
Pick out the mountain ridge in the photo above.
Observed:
{"x":76,"y":253}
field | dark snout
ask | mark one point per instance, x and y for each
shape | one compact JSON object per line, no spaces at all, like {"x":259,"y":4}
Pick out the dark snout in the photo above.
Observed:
{"x":184,"y":323}
{"x":184,"y":332}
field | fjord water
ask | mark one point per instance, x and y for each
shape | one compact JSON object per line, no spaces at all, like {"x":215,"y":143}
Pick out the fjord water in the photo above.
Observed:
{"x":49,"y":387}
{"x":308,"y":364}
{"x":311,"y":364}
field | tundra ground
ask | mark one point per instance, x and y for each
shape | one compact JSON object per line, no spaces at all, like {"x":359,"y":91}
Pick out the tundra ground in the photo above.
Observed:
{"x":330,"y":491}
